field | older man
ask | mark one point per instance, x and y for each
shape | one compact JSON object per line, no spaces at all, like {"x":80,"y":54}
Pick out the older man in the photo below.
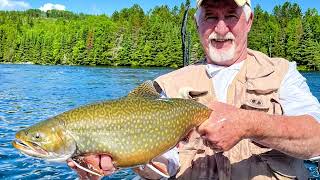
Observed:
{"x":265,"y":121}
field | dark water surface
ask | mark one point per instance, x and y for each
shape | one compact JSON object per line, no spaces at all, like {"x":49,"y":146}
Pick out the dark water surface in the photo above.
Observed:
{"x":30,"y":93}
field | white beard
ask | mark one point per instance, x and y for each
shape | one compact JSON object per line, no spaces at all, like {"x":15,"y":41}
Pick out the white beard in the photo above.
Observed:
{"x":221,"y":56}
{"x":218,"y":56}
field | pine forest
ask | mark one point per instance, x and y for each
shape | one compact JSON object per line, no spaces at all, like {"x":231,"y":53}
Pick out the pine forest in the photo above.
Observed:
{"x":132,"y":37}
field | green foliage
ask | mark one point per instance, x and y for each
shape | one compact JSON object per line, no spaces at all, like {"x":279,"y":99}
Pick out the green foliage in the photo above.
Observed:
{"x":132,"y":37}
{"x":129,"y":37}
{"x":288,"y":33}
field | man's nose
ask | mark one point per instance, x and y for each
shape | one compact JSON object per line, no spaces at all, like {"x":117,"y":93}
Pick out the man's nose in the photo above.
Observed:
{"x":221,"y":28}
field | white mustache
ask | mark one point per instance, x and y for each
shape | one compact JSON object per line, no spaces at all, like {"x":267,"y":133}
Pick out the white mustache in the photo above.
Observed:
{"x":215,"y":36}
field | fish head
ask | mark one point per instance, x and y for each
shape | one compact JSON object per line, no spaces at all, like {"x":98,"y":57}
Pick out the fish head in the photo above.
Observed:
{"x":46,"y":142}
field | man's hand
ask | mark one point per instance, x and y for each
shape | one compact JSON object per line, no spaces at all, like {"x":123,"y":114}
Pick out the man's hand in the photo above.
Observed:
{"x":102,"y":161}
{"x":226,"y":126}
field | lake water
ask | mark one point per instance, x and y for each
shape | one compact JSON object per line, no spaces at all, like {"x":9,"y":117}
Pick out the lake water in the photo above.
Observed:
{"x":30,"y":93}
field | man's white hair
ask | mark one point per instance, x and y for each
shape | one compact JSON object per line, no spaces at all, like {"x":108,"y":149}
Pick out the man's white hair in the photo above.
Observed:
{"x":246,"y":9}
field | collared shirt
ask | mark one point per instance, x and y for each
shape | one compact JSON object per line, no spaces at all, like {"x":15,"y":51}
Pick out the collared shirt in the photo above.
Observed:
{"x":294,"y":93}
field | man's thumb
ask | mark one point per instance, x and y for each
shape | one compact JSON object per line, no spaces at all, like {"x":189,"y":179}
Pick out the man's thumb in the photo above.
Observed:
{"x":202,"y":129}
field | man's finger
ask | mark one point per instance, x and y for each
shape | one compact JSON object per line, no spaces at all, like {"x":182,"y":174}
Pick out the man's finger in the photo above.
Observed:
{"x":202,"y":129}
{"x":106,"y":163}
{"x":71,"y":164}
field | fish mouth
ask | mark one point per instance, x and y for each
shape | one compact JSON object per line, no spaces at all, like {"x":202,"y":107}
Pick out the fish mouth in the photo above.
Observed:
{"x":30,"y":148}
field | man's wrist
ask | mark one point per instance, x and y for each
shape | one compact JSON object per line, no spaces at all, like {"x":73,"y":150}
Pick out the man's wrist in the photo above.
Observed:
{"x":252,"y":126}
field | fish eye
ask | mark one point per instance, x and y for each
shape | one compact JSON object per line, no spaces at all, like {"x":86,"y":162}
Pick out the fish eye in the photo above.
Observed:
{"x":37,"y":136}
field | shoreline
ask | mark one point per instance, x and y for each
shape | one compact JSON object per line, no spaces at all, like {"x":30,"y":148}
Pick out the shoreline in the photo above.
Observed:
{"x":300,"y":68}
{"x":98,"y":66}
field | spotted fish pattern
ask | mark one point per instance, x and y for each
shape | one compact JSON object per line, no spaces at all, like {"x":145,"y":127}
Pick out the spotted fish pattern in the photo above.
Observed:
{"x":133,"y":130}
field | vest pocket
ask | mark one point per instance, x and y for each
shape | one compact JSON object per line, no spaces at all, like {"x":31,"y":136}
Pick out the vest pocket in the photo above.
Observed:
{"x":254,"y":102}
{"x":261,"y":102}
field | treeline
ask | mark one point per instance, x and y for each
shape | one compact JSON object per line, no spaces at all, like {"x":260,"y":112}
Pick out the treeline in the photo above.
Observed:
{"x":132,"y":37}
{"x":288,"y":33}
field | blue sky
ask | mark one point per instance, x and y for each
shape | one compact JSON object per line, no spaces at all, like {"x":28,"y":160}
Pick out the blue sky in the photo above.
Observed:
{"x":109,"y":6}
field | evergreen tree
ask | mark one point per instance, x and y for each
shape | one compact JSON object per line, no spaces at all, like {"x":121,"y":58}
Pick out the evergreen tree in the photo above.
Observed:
{"x":132,"y":37}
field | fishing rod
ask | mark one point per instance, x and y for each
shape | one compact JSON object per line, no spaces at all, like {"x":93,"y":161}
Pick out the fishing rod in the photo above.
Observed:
{"x":184,"y":36}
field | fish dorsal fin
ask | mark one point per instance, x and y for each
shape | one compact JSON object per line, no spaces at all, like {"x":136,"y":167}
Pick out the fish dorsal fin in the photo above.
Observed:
{"x":146,"y":89}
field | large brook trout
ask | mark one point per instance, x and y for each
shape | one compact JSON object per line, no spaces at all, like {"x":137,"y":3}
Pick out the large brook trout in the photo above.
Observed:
{"x":133,"y":130}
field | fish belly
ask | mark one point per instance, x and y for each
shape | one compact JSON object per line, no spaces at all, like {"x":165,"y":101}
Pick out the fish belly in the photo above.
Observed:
{"x":133,"y":132}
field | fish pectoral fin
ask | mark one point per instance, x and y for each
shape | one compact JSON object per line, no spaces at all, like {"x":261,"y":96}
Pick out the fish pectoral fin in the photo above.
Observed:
{"x":159,"y":168}
{"x":81,"y":163}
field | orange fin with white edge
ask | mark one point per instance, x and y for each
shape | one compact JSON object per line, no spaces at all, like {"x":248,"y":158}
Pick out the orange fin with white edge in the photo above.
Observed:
{"x":81,"y":163}
{"x":159,"y":168}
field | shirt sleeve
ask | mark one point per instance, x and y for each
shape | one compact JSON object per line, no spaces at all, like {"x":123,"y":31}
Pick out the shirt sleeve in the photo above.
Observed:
{"x":295,"y":96}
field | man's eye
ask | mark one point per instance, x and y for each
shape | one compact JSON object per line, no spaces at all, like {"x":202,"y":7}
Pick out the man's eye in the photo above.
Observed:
{"x":210,"y":18}
{"x":231,"y":16}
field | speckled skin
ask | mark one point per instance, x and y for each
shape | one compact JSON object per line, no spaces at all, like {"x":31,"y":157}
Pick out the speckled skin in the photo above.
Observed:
{"x":133,"y":130}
